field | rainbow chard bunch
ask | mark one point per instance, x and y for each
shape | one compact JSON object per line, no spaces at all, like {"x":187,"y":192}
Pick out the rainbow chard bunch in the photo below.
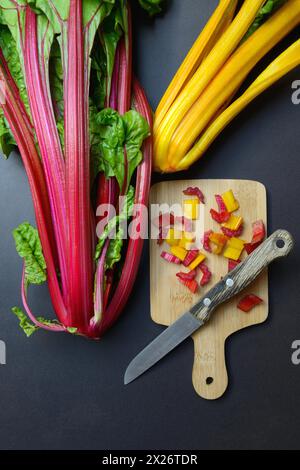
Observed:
{"x":82,"y":125}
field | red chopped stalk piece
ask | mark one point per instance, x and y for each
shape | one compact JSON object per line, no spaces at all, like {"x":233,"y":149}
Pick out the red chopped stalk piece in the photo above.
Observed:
{"x":259,"y":232}
{"x":191,"y":285}
{"x":249,"y":247}
{"x":190,"y":257}
{"x":187,"y":276}
{"x":232,"y":264}
{"x":195,"y":192}
{"x":164,"y":220}
{"x":221,"y":204}
{"x":206,"y":241}
{"x":163,"y":233}
{"x":170,"y":258}
{"x":188,"y":225}
{"x":184,"y":222}
{"x":206,"y":274}
{"x":220,"y":217}
{"x":247,"y":303}
{"x":223,"y":215}
{"x":233,"y":233}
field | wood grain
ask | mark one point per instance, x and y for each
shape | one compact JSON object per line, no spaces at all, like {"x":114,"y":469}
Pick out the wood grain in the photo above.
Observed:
{"x":169,"y":299}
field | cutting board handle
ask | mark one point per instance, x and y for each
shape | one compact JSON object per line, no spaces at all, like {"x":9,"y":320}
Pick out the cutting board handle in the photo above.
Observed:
{"x":210,"y":377}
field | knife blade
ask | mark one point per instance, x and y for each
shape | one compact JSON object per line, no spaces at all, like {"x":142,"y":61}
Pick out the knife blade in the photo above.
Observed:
{"x":276,"y":246}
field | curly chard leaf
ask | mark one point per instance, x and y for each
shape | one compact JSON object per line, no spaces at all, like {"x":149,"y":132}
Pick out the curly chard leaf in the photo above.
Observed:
{"x":29,"y":248}
{"x":117,"y":133}
{"x":29,"y":328}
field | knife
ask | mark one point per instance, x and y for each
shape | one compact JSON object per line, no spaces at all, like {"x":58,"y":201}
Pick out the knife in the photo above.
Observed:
{"x":276,"y":246}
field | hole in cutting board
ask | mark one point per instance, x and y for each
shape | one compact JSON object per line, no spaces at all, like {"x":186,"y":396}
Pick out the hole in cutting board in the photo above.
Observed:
{"x":209,"y":380}
{"x":280,"y":243}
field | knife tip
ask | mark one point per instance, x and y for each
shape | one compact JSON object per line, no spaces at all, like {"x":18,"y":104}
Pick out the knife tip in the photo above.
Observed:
{"x":127,"y":378}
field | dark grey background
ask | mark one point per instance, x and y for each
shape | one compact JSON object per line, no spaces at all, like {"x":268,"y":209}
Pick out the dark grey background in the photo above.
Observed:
{"x":64,"y":392}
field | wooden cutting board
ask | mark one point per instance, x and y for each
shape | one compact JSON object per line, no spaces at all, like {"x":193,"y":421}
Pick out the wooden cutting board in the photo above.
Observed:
{"x":170,"y":299}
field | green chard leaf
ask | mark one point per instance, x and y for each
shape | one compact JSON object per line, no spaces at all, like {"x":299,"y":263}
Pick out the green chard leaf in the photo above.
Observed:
{"x":24,"y":323}
{"x":151,"y":6}
{"x":72,"y":330}
{"x":98,"y":88}
{"x":7,"y":141}
{"x":136,"y":131}
{"x":29,"y":328}
{"x":114,"y":252}
{"x":267,"y":10}
{"x":57,"y":88}
{"x":10,"y":52}
{"x":115,"y":225}
{"x":12,"y":14}
{"x":115,"y":133}
{"x":102,"y":66}
{"x":114,"y":26}
{"x":111,"y":142}
{"x":29,"y":248}
{"x":56,"y":11}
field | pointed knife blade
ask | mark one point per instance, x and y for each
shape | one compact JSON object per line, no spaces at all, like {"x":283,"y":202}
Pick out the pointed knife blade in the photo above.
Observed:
{"x":174,"y":335}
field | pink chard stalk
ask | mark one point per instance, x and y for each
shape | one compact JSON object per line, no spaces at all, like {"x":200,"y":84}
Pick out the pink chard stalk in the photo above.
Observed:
{"x":82,"y":126}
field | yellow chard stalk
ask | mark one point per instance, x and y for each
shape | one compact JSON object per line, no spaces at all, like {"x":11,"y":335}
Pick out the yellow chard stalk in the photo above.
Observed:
{"x":282,"y":65}
{"x":229,"y":78}
{"x":212,"y":32}
{"x":203,"y":76}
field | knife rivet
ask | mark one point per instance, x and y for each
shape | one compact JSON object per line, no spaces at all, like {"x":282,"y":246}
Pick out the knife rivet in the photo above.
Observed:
{"x":207,"y":302}
{"x":229,"y":282}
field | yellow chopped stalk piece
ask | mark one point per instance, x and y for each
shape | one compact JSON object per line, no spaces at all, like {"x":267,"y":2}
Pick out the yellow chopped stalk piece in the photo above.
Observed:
{"x":200,"y":258}
{"x":282,"y":65}
{"x":232,"y":74}
{"x":191,"y":208}
{"x":211,"y":33}
{"x":233,"y":223}
{"x":203,"y":76}
{"x":189,"y":236}
{"x":230,"y":201}
{"x":187,"y":245}
{"x":179,"y":252}
{"x":234,"y":248}
{"x":219,"y":240}
{"x":187,"y":240}
{"x":173,"y":237}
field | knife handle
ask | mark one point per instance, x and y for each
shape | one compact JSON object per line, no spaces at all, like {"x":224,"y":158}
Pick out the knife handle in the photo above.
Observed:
{"x":276,"y":246}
